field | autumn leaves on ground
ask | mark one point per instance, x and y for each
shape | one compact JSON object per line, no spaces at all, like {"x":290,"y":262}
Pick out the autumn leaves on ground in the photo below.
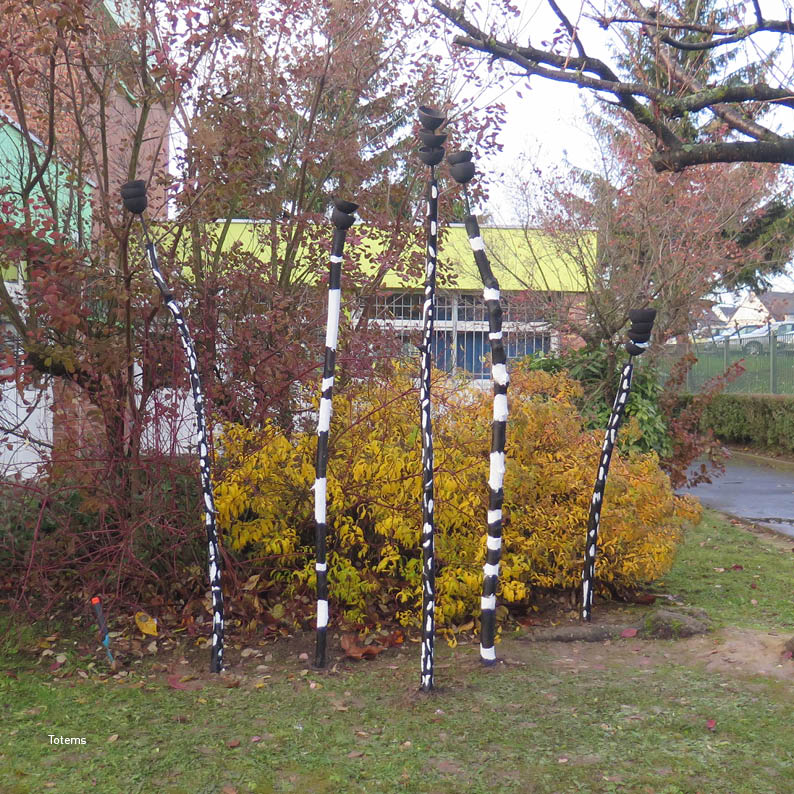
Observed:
{"x":704,"y":714}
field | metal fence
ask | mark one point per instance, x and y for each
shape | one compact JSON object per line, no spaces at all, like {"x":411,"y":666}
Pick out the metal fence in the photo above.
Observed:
{"x":460,"y":332}
{"x":768,"y":364}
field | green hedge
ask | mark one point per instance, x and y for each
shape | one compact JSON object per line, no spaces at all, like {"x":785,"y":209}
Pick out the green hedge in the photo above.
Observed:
{"x":764,"y":420}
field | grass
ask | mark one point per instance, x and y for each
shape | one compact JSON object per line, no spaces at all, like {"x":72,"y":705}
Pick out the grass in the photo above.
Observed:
{"x":704,"y":575}
{"x":630,"y":716}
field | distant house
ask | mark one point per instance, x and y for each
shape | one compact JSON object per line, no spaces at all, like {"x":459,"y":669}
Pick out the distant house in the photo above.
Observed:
{"x":766,"y":307}
{"x":723,"y":312}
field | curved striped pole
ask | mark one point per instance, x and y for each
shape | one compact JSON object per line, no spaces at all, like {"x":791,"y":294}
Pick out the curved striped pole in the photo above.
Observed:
{"x":462,"y":170}
{"x":134,"y":197}
{"x":639,"y":339}
{"x":431,"y":154}
{"x":342,"y":218}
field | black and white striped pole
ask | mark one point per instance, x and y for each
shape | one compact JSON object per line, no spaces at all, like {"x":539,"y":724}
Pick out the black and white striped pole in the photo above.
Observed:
{"x":342,"y":218}
{"x":462,"y":170}
{"x":134,"y":196}
{"x":639,"y":340}
{"x":431,"y":154}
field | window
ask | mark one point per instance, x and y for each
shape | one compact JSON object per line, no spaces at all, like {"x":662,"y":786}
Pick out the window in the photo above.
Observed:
{"x":460,"y":331}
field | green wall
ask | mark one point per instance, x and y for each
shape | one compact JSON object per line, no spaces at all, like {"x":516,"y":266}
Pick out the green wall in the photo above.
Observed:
{"x":71,"y":201}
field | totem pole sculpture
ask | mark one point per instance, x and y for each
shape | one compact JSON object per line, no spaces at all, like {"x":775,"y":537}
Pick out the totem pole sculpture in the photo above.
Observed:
{"x":462,"y":170}
{"x":342,"y":218}
{"x":134,"y":197}
{"x":431,"y":154}
{"x":639,"y":339}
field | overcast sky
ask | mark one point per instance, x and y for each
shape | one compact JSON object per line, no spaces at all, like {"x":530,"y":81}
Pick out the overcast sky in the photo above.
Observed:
{"x":547,"y":123}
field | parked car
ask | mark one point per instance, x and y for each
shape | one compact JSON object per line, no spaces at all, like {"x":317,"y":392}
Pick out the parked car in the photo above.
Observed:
{"x":758,"y":341}
{"x":739,"y":333}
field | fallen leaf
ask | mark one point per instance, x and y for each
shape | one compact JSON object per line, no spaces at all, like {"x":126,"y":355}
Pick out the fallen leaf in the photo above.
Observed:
{"x":180,"y":718}
{"x":246,"y":652}
{"x":753,"y":586}
{"x":737,"y":567}
{"x":720,"y":570}
{"x":711,"y":724}
{"x":175,"y":682}
{"x":113,"y":737}
{"x":232,"y":683}
{"x":628,"y":633}
{"x":255,"y":739}
{"x":354,"y":650}
{"x":55,"y":666}
{"x":562,"y":760}
{"x":228,"y":790}
{"x":355,"y":754}
{"x":152,"y":646}
{"x":304,"y":657}
{"x":60,"y":658}
{"x":787,"y":654}
{"x":754,"y":602}
{"x":146,"y":623}
{"x":232,"y":743}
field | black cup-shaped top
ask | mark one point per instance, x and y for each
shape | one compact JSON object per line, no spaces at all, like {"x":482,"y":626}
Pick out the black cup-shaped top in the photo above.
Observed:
{"x":431,"y":155}
{"x":431,"y":138}
{"x":640,"y":331}
{"x":348,"y":207}
{"x":430,"y":118}
{"x":453,"y":158}
{"x":133,"y":194}
{"x":341,"y":219}
{"x":641,"y":324}
{"x":462,"y":172}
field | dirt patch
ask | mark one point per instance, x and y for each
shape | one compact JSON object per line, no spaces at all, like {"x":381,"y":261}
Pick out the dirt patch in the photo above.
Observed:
{"x":733,"y":652}
{"x":742,"y":652}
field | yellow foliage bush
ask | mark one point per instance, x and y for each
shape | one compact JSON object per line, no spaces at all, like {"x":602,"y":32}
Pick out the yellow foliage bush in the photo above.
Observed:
{"x":265,"y":503}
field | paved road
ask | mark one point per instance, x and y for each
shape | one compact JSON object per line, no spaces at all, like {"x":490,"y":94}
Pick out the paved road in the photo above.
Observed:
{"x":753,"y":490}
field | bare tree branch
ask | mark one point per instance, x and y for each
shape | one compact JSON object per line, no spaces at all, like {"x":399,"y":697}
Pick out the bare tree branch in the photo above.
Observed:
{"x":652,"y":106}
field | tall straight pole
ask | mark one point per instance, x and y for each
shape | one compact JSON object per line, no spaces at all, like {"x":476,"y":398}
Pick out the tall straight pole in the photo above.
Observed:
{"x":428,"y":522}
{"x":134,"y":196}
{"x":342,"y":218}
{"x":431,"y":154}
